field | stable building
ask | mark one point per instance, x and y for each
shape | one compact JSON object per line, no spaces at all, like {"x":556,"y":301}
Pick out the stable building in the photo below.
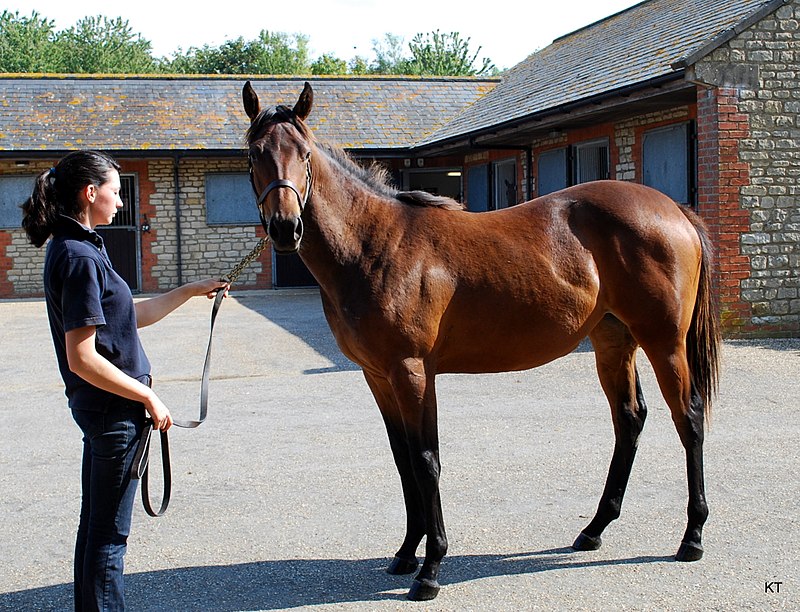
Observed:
{"x":696,"y":98}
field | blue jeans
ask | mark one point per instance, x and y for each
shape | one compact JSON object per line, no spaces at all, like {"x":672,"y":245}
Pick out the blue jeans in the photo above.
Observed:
{"x":110,"y":437}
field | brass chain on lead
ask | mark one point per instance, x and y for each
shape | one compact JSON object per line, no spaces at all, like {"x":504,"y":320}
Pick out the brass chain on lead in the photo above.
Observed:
{"x":231,"y":277}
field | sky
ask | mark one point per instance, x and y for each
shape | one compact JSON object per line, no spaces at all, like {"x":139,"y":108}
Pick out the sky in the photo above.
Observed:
{"x":506,"y":33}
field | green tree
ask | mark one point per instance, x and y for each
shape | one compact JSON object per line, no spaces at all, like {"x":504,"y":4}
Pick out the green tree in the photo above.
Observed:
{"x":389,"y":57}
{"x":270,"y":53}
{"x":328,"y":64}
{"x":358,"y":65}
{"x":103,"y":45}
{"x":438,"y":54}
{"x":26,"y":43}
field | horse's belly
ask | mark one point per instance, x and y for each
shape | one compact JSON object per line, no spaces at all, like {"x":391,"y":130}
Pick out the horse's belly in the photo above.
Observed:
{"x":505,"y":354}
{"x":505,"y":341}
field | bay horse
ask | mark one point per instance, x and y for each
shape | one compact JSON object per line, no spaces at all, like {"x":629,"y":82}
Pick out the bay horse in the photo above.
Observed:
{"x":412,"y":286}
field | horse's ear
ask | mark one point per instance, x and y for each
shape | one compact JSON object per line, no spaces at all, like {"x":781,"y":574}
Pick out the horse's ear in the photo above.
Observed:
{"x":251,"y":104}
{"x":303,"y":107}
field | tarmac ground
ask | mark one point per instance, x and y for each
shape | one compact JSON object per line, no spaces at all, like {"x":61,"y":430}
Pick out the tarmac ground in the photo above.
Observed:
{"x":288,"y":498}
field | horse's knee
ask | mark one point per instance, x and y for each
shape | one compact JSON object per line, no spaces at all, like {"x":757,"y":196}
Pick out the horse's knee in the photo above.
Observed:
{"x":427,"y":468}
{"x":630,"y":420}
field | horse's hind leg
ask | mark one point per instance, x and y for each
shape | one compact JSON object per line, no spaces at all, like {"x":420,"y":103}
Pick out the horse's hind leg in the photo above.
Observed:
{"x":688,"y":414}
{"x":615,"y":354}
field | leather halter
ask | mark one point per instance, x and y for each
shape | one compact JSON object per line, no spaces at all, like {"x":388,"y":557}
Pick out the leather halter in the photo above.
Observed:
{"x":277,"y":184}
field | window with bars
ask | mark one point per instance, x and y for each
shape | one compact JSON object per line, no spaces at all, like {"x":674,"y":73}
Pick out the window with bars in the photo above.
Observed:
{"x":126,"y":216}
{"x":578,"y":163}
{"x":504,"y":179}
{"x":591,"y":161}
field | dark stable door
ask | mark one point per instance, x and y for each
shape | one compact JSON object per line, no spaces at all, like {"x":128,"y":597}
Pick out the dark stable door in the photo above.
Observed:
{"x":121,"y":236}
{"x":290,"y":271}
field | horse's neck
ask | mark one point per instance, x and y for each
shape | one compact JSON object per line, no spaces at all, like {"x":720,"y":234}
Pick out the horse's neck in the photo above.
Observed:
{"x":342,"y":213}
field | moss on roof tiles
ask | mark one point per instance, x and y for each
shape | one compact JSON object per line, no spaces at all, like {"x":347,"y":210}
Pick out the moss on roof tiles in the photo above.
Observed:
{"x":138,"y":113}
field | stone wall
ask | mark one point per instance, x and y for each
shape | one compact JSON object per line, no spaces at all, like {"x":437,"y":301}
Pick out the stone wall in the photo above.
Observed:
{"x":754,"y":82}
{"x":201,"y":250}
{"x":214,"y":250}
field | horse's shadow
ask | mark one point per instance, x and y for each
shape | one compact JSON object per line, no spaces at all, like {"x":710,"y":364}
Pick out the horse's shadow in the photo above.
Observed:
{"x":300,"y":314}
{"x":274,"y":585}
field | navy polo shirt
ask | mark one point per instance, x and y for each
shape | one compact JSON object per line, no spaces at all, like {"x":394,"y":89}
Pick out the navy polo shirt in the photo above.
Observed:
{"x":82,"y":289}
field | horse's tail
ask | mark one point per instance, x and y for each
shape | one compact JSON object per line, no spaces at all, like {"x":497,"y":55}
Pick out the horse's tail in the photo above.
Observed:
{"x":704,"y":338}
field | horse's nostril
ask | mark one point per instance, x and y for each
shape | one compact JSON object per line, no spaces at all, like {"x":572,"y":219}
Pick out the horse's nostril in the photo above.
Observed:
{"x":286,"y":233}
{"x":274,"y":233}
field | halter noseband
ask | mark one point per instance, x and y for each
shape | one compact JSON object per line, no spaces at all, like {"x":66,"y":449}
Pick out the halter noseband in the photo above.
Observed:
{"x":277,"y":184}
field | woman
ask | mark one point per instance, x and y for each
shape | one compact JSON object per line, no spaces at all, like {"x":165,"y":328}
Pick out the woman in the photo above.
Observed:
{"x":93,"y":321}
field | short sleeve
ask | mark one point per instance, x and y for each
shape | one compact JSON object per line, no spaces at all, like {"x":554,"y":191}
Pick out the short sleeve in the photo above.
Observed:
{"x":80,"y":298}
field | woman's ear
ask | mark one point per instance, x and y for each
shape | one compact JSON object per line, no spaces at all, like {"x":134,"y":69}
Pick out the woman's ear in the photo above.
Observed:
{"x":89,"y":192}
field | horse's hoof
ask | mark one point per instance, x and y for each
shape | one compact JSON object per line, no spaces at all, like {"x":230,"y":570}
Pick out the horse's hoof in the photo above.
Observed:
{"x":423,"y":590}
{"x":689,"y":552}
{"x":585,"y":542}
{"x":400,"y":566}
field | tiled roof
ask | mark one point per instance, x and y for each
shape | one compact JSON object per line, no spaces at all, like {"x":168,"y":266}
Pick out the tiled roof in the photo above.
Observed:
{"x":191,"y":114}
{"x":632,"y":47}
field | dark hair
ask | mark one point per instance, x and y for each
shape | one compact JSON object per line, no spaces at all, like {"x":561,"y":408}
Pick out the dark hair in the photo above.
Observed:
{"x":56,"y":190}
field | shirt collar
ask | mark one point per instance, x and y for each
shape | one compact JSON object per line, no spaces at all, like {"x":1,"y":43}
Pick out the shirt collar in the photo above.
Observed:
{"x":68,"y":226}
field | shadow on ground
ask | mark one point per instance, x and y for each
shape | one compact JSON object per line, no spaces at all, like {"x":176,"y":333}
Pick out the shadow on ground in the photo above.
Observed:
{"x":300,"y":314}
{"x":274,"y":585}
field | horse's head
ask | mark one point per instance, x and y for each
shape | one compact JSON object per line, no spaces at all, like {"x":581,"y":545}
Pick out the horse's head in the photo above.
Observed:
{"x":280,"y":165}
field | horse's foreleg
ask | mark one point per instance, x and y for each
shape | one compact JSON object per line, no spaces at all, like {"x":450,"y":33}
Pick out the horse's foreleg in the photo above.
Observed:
{"x":415,"y":394}
{"x":615,"y":352}
{"x":405,"y":560}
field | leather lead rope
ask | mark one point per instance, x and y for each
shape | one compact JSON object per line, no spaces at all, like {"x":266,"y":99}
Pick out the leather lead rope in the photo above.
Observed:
{"x":140,"y":467}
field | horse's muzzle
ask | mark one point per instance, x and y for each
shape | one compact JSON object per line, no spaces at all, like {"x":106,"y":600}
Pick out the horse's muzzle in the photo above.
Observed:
{"x":285,"y":233}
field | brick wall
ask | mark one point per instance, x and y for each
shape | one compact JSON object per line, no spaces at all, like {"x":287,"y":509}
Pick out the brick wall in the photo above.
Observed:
{"x":721,"y":175}
{"x":757,"y":132}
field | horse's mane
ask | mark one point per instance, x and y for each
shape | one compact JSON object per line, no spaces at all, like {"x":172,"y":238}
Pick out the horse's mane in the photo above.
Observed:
{"x":374,"y":177}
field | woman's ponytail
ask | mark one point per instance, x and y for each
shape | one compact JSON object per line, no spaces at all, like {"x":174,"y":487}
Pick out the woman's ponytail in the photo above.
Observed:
{"x":40,"y":211}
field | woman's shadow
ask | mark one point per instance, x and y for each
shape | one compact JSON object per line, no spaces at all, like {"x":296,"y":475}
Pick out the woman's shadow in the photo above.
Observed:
{"x":275,"y":585}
